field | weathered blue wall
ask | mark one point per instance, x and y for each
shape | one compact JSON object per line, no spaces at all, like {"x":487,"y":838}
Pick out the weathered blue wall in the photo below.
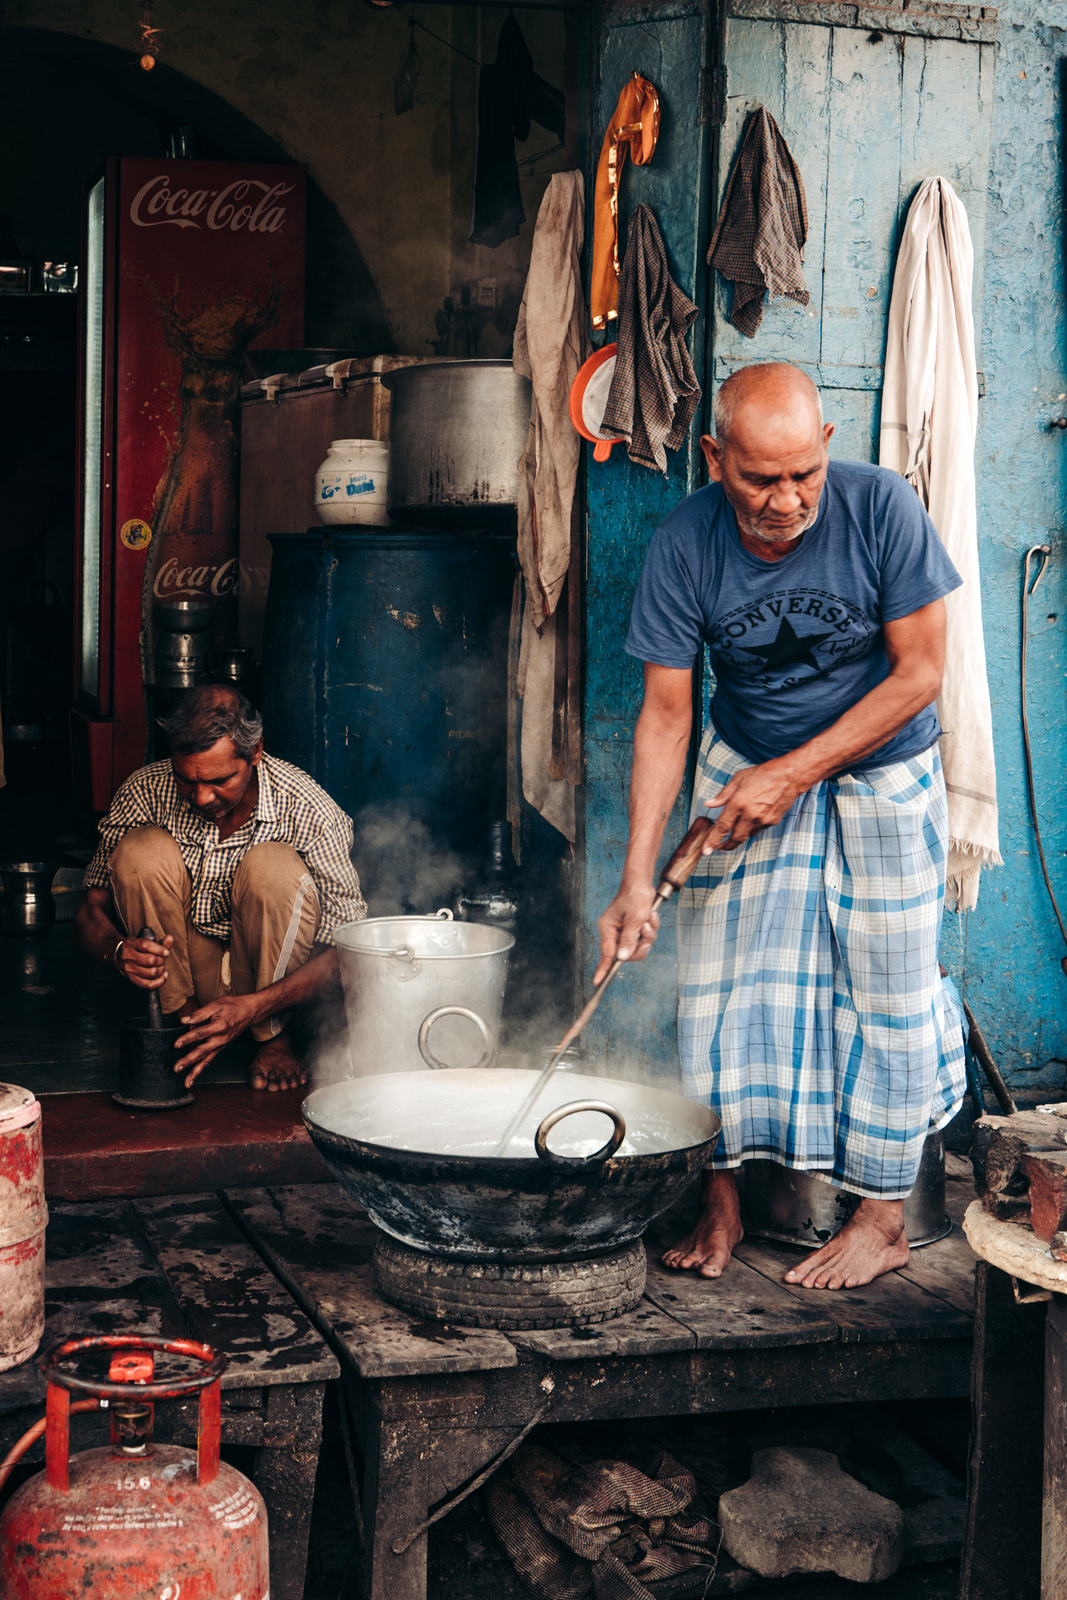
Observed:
{"x":625,"y":504}
{"x":1006,"y":953}
{"x":1008,"y":950}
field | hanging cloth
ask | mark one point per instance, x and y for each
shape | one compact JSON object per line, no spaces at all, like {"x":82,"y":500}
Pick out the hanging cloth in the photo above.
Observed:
{"x":634,"y":126}
{"x":759,"y":238}
{"x":654,"y":391}
{"x":510,"y":97}
{"x":549,"y":349}
{"x":929,"y":425}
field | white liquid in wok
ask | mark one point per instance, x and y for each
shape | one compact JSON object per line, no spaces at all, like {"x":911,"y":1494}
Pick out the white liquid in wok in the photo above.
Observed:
{"x":464,"y":1112}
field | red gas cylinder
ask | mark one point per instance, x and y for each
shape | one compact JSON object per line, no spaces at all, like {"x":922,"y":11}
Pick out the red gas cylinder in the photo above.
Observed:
{"x":137,"y":1521}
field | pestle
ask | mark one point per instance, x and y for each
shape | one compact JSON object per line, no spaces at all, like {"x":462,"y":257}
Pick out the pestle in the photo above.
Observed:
{"x":147,"y":1079}
{"x":155,"y":1007}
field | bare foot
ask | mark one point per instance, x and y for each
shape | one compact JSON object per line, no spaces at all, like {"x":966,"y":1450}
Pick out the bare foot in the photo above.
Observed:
{"x":710,"y":1245}
{"x":276,"y":1065}
{"x":871,"y":1242}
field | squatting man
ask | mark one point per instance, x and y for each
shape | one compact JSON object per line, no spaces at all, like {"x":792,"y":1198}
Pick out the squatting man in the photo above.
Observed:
{"x":241,"y":865}
{"x":812,"y":1016}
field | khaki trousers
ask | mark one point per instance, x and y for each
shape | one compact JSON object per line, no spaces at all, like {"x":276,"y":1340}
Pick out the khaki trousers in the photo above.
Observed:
{"x":275,"y":915}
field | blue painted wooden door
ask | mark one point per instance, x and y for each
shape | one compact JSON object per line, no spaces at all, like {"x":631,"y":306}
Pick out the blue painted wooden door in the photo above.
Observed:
{"x":867,"y":115}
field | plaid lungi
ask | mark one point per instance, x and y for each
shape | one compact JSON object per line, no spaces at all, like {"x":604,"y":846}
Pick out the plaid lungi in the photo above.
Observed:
{"x":812,"y":1016}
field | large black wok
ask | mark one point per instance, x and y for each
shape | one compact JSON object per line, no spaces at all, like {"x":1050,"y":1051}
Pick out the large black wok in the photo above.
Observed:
{"x":415,"y":1148}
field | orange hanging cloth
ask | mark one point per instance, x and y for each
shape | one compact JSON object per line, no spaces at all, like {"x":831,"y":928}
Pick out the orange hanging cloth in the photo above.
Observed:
{"x":634,"y":126}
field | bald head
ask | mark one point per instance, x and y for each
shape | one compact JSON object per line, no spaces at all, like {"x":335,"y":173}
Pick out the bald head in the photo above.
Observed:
{"x":772,"y":391}
{"x":769,"y":454}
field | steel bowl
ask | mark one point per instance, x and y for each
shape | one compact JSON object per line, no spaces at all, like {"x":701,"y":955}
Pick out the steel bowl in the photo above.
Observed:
{"x":183,"y":616}
{"x":417,"y":1149}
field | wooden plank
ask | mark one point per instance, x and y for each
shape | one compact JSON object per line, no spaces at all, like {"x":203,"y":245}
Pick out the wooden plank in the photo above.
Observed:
{"x":739,"y":1311}
{"x":100,"y":1277}
{"x":1002,"y":1545}
{"x":229,"y":1298}
{"x":1054,"y":1503}
{"x":945,"y":129}
{"x":945,"y":1269}
{"x":888,"y":1309}
{"x":861,"y":199}
{"x":648,"y":1330}
{"x":319,"y":1243}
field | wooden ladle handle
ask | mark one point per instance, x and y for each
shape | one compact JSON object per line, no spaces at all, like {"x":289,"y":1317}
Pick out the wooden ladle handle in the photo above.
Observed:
{"x":684,"y":861}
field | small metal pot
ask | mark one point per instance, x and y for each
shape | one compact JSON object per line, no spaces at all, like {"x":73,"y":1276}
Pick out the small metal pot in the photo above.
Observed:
{"x":805,"y":1208}
{"x":456,"y":432}
{"x":27,"y":909}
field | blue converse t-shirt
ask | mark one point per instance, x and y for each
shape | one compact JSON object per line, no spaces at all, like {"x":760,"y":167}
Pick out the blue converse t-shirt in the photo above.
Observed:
{"x":793,"y":643}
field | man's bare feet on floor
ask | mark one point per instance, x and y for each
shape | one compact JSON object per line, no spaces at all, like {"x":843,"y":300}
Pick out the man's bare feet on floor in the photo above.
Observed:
{"x":708,"y":1248}
{"x":871,"y":1243}
{"x":276,"y":1065}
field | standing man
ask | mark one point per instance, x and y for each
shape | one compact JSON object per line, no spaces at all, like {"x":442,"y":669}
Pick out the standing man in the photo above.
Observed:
{"x":811,"y":1012}
{"x":242,"y":867}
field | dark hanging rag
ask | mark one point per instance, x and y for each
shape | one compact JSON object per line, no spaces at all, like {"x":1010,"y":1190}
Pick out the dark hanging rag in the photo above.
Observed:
{"x":758,"y":241}
{"x":654,"y":392}
{"x":510,"y":97}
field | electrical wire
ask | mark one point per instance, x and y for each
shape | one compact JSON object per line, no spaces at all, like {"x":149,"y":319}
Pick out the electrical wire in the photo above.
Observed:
{"x":1044,"y":551}
{"x":415,"y":23}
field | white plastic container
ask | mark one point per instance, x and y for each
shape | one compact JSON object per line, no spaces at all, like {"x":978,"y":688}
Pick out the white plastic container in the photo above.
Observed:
{"x":350,"y":483}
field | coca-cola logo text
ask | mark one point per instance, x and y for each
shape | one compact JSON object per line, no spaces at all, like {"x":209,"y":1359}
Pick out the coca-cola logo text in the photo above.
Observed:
{"x":173,"y":581}
{"x":245,"y":203}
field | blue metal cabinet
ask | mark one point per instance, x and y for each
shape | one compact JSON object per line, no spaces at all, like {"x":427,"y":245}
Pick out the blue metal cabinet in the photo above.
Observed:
{"x":385,"y":672}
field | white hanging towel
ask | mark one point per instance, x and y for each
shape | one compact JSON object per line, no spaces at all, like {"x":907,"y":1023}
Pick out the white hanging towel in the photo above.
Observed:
{"x":929,"y":424}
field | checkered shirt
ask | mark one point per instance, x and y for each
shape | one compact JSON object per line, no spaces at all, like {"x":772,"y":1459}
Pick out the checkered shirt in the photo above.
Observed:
{"x":812,"y":1016}
{"x":291,"y":809}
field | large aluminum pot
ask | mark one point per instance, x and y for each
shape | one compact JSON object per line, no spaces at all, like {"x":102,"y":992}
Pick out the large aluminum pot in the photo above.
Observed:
{"x":456,"y":432}
{"x":806,"y":1208}
{"x":431,"y":976}
{"x":419,"y":1154}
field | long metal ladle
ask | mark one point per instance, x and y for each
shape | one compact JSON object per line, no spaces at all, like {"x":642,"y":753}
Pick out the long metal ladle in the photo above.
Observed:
{"x":674,"y":876}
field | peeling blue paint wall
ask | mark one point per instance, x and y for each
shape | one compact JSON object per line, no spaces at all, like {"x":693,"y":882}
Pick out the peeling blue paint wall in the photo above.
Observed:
{"x":636,"y":1020}
{"x":1008,"y":950}
{"x":1006,"y":954}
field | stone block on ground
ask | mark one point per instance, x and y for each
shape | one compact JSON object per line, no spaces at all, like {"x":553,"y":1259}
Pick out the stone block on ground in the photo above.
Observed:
{"x":799,"y":1512}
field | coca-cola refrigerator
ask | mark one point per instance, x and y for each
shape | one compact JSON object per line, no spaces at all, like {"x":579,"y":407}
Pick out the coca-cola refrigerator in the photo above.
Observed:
{"x":187,"y":265}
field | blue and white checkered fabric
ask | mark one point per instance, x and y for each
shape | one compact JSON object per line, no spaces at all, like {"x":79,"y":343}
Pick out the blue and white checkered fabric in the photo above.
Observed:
{"x":811,"y":1015}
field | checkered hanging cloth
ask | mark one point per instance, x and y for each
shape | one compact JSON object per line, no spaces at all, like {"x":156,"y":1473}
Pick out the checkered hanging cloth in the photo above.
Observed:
{"x":759,"y":238}
{"x":654,"y":391}
{"x":812,"y":1016}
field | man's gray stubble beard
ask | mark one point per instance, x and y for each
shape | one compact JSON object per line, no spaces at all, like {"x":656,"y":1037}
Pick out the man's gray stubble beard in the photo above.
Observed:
{"x":750,"y":527}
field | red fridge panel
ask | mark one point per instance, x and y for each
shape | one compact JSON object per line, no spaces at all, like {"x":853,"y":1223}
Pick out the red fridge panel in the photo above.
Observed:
{"x":201,"y":260}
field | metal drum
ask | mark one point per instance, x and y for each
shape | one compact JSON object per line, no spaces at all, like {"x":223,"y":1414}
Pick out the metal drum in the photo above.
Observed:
{"x":805,"y":1208}
{"x":456,"y":432}
{"x":422,"y":991}
{"x":385,"y":672}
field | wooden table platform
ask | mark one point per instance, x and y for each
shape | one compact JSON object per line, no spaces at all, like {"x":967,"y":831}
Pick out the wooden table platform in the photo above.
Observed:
{"x":435,"y":1404}
{"x":180,"y":1268}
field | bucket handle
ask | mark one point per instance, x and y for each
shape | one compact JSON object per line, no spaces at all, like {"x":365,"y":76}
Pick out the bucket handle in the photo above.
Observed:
{"x":455,"y":1011}
{"x":569,"y":1110}
{"x":401,"y":958}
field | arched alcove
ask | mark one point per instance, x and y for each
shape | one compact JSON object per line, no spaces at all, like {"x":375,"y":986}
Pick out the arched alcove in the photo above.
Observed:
{"x":66,"y":102}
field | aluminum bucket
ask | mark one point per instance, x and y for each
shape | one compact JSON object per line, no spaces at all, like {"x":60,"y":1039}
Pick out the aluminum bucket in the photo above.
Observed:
{"x":428,"y":979}
{"x":805,"y":1208}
